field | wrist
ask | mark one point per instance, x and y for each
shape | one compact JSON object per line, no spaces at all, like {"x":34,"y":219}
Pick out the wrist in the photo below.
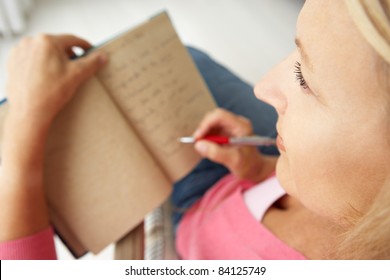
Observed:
{"x":28,"y":121}
{"x":24,"y":209}
{"x":23,"y":143}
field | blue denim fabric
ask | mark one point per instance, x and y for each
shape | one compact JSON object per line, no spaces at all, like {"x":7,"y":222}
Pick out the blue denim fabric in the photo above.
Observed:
{"x":233,"y":94}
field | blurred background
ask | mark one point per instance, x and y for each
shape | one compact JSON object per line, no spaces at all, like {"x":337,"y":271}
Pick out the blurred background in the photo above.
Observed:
{"x":247,"y":36}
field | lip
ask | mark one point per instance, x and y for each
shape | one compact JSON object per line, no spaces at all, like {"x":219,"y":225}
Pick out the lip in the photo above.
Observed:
{"x":280,"y":143}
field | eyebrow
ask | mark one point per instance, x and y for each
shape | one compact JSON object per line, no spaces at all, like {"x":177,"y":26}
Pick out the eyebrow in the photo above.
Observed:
{"x":303,"y":54}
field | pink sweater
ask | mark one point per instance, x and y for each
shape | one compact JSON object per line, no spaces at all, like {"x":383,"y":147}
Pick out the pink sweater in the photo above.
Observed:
{"x":39,"y":246}
{"x":221,"y":226}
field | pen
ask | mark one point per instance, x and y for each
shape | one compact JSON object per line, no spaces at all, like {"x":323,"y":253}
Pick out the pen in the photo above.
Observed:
{"x":240,"y":141}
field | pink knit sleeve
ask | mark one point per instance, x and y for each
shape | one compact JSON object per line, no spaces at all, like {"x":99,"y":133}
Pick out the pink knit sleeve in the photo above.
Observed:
{"x":39,"y":246}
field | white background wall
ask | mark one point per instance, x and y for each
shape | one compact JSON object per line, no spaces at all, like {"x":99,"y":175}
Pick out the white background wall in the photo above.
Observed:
{"x":248,"y":36}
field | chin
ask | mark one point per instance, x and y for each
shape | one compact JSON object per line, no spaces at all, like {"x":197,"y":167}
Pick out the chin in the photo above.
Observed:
{"x":283,"y":175}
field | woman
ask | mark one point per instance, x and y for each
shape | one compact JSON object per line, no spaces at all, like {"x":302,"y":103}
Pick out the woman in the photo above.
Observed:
{"x":333,"y":141}
{"x":333,"y":138}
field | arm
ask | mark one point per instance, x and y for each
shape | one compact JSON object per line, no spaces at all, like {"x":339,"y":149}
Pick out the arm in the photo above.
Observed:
{"x":243,"y":161}
{"x":41,"y":81}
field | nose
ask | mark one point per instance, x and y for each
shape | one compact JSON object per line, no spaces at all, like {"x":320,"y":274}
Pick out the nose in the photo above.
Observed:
{"x":275,"y":85}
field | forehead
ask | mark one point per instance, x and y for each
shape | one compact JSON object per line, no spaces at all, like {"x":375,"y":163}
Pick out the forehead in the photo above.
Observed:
{"x":324,"y":27}
{"x":338,"y":53}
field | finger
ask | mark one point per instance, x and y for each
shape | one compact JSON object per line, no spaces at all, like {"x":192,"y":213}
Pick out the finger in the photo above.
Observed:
{"x":66,"y":42}
{"x":83,"y":68}
{"x":220,"y":154}
{"x":70,"y":53}
{"x":224,"y":121}
{"x":212,"y":121}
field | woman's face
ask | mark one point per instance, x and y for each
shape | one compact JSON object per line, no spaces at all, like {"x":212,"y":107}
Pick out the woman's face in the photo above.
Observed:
{"x":333,"y":121}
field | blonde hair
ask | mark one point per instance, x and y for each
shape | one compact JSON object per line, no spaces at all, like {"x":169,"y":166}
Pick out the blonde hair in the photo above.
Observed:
{"x":370,"y":236}
{"x":372,"y":17}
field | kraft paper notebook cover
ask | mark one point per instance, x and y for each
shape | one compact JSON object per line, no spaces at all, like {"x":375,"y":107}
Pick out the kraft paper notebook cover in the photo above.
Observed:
{"x":112,"y":153}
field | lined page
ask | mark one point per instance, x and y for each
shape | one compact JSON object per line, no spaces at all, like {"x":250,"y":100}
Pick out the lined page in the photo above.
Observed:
{"x":153,"y":80}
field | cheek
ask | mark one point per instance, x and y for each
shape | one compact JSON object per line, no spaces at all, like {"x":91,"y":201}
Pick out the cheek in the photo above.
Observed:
{"x":311,"y":172}
{"x":310,"y":167}
{"x":302,"y":165}
{"x":328,"y":166}
{"x":307,"y":161}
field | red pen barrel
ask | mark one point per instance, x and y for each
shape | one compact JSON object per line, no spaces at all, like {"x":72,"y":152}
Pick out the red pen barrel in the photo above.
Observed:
{"x":217,"y":139}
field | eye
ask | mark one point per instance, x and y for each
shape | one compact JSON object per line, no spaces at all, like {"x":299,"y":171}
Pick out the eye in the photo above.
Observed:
{"x":299,"y":77}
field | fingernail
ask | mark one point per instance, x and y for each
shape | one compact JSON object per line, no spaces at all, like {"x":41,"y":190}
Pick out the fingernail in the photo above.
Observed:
{"x":201,"y":147}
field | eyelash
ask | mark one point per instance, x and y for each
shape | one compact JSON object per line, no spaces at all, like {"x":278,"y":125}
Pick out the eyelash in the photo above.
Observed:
{"x":299,"y":76}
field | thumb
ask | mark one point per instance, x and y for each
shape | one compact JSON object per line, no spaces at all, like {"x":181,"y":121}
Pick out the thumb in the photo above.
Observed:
{"x":214,"y":152}
{"x":83,"y":68}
